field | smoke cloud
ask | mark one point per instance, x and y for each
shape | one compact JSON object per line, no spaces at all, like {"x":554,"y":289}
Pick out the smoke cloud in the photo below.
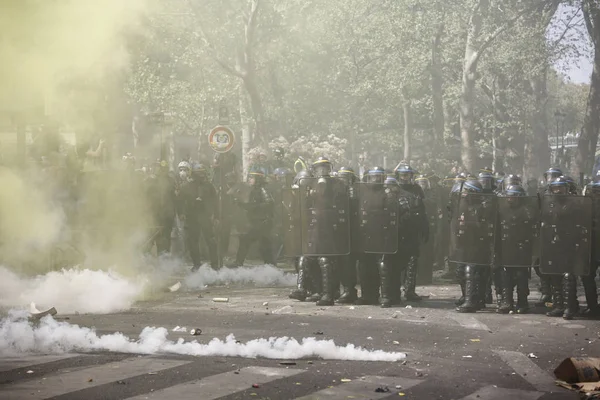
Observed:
{"x":266,"y":275}
{"x":51,"y":336}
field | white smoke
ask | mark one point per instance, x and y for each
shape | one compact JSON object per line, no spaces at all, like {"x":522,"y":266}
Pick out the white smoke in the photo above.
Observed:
{"x":101,"y":292}
{"x":71,"y":290}
{"x":17,"y":335}
{"x":266,"y":275}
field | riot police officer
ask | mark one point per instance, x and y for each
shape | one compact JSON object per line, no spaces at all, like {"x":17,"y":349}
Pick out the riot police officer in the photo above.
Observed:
{"x":258,"y":206}
{"x":428,"y":259}
{"x":472,"y":237}
{"x":309,"y":276}
{"x":197,"y":203}
{"x":559,"y":228}
{"x":545,"y":286}
{"x":347,"y":270}
{"x":514,"y":253}
{"x":420,"y":226}
{"x":589,"y":281}
{"x":163,"y":201}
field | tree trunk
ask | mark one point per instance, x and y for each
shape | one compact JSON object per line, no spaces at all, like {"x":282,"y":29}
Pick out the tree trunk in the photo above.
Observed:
{"x":437,"y":94}
{"x":467,"y":121}
{"x":536,"y":153}
{"x":257,"y":109}
{"x":246,"y":136}
{"x":586,"y":147}
{"x":408,"y":127}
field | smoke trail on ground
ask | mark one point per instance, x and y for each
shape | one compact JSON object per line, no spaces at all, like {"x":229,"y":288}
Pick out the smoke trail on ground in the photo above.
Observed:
{"x":71,"y":290}
{"x":264,"y":275}
{"x":17,"y":335}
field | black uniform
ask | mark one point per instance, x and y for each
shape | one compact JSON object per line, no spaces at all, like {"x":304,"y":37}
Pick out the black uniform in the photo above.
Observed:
{"x":258,"y":207}
{"x":589,"y":282}
{"x":198,"y":203}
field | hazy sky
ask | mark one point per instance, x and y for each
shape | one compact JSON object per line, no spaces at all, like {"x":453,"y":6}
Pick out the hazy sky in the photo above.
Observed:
{"x":578,"y":70}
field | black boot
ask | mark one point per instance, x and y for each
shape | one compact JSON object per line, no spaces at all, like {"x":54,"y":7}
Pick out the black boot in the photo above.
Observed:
{"x":558,"y":301}
{"x":411,"y":280}
{"x":327,"y":282}
{"x":316,"y":284}
{"x":506,"y":302}
{"x":368,"y":281}
{"x":472,"y":300}
{"x":522,"y":290}
{"x":385,"y":284}
{"x":570,"y":295}
{"x":546,"y":290}
{"x":348,"y":279}
{"x":460,"y":274}
{"x":300,"y":292}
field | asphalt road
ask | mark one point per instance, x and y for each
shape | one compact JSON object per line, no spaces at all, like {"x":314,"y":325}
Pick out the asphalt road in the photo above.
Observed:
{"x":449,"y":355}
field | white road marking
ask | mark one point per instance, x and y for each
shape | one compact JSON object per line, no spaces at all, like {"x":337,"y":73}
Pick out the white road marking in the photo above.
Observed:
{"x":216,"y":386}
{"x":522,"y":365}
{"x":468,"y":322}
{"x":498,"y":393}
{"x":83,"y":378}
{"x":8,"y":363}
{"x":364,"y":388}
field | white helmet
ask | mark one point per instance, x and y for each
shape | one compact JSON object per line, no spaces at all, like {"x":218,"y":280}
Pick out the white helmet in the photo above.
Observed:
{"x":184,"y":164}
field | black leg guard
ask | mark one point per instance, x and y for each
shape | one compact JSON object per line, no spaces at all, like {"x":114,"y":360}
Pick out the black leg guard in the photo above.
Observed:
{"x":498,"y":279}
{"x":570,"y":295}
{"x":558,"y":301}
{"x":384,"y":283}
{"x":460,"y":274}
{"x":591,"y":295}
{"x":545,"y":289}
{"x":368,"y":280}
{"x":300,"y":292}
{"x":411,"y":280}
{"x":327,"y":282}
{"x":507,"y":299}
{"x":472,"y":300}
{"x":314,"y":277}
{"x":485,"y":286}
{"x":348,"y":279}
{"x":522,"y":278}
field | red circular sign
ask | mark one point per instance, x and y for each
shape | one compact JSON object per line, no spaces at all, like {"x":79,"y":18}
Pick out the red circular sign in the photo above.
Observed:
{"x":221,"y":139}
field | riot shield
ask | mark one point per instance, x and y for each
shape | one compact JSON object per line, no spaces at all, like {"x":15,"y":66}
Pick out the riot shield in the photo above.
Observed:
{"x":325,"y":215}
{"x":565,"y":234}
{"x":472,"y":228}
{"x":378,"y":218}
{"x":518,"y":221}
{"x":291,"y":222}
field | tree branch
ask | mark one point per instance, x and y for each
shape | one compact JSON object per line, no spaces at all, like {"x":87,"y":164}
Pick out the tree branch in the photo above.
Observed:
{"x":487,"y":42}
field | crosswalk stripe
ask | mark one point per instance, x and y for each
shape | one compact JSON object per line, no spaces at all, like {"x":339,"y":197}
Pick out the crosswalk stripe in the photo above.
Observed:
{"x":364,"y":388}
{"x":468,"y":322}
{"x":498,"y":393}
{"x":523,"y":366}
{"x":67,"y":382}
{"x":8,"y":363}
{"x":216,"y":386}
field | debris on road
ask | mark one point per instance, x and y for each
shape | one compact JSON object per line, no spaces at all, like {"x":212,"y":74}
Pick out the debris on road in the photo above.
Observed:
{"x":255,"y":385}
{"x":369,"y":338}
{"x":266,"y":303}
{"x":30,"y":372}
{"x":284,"y":310}
{"x":345,"y":380}
{"x":578,"y":369}
{"x":409,"y":307}
{"x":37,"y":314}
{"x":467,"y":356}
{"x":396,"y":342}
{"x":175,"y":287}
{"x":180,"y":329}
{"x":318,"y":333}
{"x":382,"y":389}
{"x":287,"y":363}
{"x":475,"y":340}
{"x":196,"y":332}
{"x":531,"y":355}
{"x":220,"y":299}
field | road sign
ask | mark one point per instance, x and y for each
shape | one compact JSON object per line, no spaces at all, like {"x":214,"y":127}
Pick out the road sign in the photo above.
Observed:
{"x":221,"y":139}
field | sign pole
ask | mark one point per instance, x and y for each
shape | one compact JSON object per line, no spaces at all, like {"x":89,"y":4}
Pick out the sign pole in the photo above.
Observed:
{"x":221,"y":139}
